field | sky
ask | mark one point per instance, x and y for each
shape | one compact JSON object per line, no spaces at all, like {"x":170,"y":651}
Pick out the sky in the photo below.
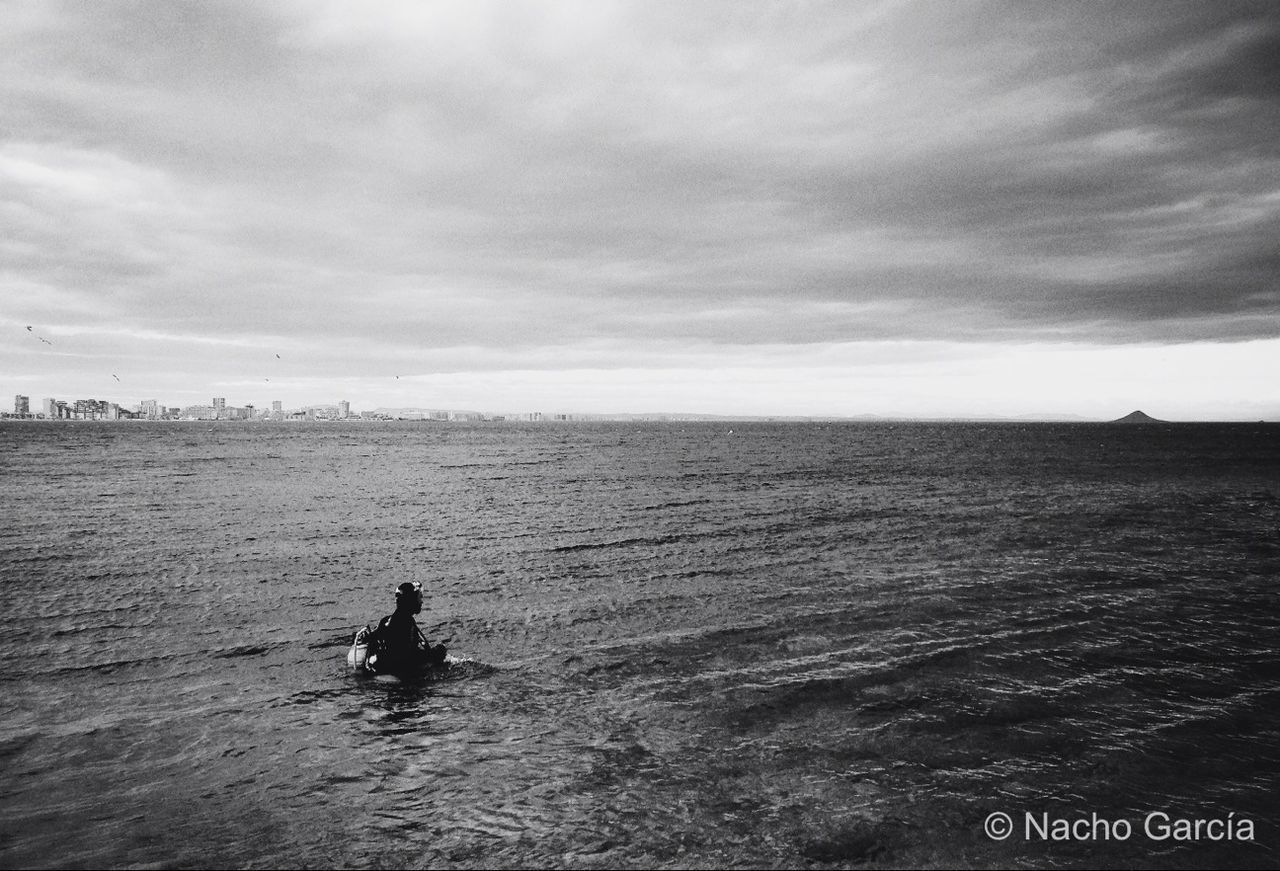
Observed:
{"x":920,"y":209}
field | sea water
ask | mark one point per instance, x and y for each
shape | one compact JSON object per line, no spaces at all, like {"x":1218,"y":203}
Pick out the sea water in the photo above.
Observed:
{"x":679,"y":644}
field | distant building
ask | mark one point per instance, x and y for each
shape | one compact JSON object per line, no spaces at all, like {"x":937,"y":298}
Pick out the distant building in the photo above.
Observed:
{"x":51,"y":409}
{"x":90,"y":409}
{"x":344,"y":410}
{"x":150,"y":409}
{"x":21,"y":404}
{"x":219,"y":407}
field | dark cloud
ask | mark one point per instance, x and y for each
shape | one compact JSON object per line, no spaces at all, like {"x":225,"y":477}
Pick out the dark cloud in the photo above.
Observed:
{"x":530,"y":177}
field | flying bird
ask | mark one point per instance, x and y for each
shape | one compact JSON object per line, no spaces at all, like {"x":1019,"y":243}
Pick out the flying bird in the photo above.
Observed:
{"x":38,"y":336}
{"x":115,"y":376}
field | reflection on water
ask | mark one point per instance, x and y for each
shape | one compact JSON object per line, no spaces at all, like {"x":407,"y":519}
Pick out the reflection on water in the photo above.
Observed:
{"x":793,"y":646}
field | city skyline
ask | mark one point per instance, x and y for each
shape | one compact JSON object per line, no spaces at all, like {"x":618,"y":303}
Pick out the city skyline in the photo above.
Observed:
{"x":896,"y":209}
{"x":218,"y":409}
{"x":53,"y":408}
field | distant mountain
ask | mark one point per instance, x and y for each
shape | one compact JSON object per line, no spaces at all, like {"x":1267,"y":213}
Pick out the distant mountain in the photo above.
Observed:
{"x":1137,"y":417}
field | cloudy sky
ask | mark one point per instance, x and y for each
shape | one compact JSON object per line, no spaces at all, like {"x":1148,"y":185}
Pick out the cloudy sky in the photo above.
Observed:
{"x":895,"y":208}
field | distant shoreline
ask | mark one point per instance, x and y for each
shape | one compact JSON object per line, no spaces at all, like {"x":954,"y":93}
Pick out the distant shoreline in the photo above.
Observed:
{"x":704,"y":419}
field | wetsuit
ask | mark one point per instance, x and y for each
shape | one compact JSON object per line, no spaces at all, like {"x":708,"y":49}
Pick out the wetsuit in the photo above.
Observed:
{"x":399,"y":645}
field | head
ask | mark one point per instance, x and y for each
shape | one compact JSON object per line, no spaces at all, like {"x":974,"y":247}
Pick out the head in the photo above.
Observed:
{"x":409,"y":597}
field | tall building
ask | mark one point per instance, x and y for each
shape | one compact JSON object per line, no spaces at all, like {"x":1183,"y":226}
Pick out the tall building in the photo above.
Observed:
{"x":21,"y":404}
{"x":51,"y":410}
{"x":277,"y":410}
{"x":150,"y":409}
{"x":344,"y":410}
{"x":89,"y":409}
{"x":219,"y":407}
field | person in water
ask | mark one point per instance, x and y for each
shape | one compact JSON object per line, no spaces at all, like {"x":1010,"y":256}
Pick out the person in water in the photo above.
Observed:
{"x":398,"y":644}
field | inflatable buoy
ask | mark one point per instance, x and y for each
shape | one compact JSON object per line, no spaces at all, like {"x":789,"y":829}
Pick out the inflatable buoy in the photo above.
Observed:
{"x":358,"y":655}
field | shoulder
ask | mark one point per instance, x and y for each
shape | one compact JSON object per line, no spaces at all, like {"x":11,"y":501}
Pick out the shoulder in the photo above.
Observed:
{"x":397,"y":620}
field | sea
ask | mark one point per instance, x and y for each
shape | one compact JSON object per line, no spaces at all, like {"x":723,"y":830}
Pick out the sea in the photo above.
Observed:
{"x":674,"y":645}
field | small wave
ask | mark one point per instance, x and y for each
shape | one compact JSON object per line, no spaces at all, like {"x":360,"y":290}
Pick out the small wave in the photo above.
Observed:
{"x":11,"y":747}
{"x":644,"y":541}
{"x":243,"y":650}
{"x":463,"y":668}
{"x":675,"y":503}
{"x":311,"y":697}
{"x":112,"y":665}
{"x":602,"y":545}
{"x":340,"y":640}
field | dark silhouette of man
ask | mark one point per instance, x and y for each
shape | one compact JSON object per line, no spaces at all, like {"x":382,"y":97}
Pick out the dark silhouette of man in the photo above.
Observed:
{"x":398,"y":645}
